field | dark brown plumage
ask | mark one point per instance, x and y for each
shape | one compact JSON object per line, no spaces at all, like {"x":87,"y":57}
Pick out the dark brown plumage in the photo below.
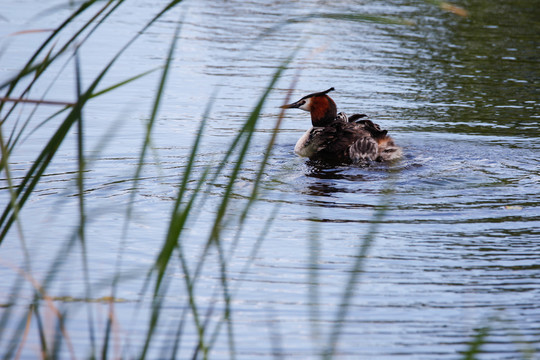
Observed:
{"x":336,"y":139}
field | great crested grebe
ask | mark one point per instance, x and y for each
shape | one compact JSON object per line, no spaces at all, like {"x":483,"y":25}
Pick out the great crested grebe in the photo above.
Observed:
{"x":338,"y":139}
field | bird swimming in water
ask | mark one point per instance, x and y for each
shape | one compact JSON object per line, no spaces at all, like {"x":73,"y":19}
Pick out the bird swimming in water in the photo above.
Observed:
{"x":338,"y":139}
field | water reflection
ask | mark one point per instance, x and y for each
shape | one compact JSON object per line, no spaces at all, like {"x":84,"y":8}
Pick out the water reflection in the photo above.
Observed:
{"x":484,"y":80}
{"x":324,"y":171}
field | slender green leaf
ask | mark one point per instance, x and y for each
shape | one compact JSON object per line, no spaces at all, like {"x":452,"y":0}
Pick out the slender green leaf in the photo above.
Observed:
{"x":476,"y":344}
{"x":158,"y":290}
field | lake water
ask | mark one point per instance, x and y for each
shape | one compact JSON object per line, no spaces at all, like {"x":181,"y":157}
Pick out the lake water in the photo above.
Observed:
{"x":456,"y":250}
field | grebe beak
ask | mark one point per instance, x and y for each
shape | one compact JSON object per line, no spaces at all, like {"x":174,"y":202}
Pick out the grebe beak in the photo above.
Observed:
{"x":294,"y":105}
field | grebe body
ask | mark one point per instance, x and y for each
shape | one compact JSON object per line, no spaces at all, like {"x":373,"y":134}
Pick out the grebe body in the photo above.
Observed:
{"x":336,"y":138}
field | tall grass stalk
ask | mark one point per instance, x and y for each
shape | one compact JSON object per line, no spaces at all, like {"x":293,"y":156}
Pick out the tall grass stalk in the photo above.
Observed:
{"x":356,"y":271}
{"x":158,"y":296}
{"x":82,"y":212}
{"x":314,"y":247}
{"x":476,"y":344}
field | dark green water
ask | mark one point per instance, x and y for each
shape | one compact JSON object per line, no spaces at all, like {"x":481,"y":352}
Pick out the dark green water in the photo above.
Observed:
{"x":456,"y":250}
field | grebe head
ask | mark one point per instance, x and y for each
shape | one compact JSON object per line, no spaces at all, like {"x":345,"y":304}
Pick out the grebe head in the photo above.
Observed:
{"x":321,"y":107}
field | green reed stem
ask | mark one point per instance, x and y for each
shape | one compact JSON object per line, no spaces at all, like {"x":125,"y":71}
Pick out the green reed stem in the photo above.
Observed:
{"x":355,"y":272}
{"x":82,"y":212}
{"x":158,"y":290}
{"x":475,"y":345}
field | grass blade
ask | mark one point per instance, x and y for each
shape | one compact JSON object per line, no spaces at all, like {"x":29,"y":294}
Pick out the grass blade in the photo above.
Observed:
{"x":355,"y":272}
{"x":476,"y":344}
{"x":158,"y":290}
{"x":82,"y":212}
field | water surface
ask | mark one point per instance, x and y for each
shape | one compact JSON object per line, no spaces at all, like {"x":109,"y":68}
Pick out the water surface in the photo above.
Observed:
{"x":456,"y":250}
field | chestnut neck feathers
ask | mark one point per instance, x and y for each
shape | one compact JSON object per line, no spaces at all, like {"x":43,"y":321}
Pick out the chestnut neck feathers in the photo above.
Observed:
{"x":323,"y":110}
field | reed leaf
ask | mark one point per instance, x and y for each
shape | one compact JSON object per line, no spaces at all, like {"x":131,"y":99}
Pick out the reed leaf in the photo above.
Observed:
{"x":356,"y":270}
{"x":81,"y":162}
{"x":158,"y":290}
{"x":475,"y":345}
